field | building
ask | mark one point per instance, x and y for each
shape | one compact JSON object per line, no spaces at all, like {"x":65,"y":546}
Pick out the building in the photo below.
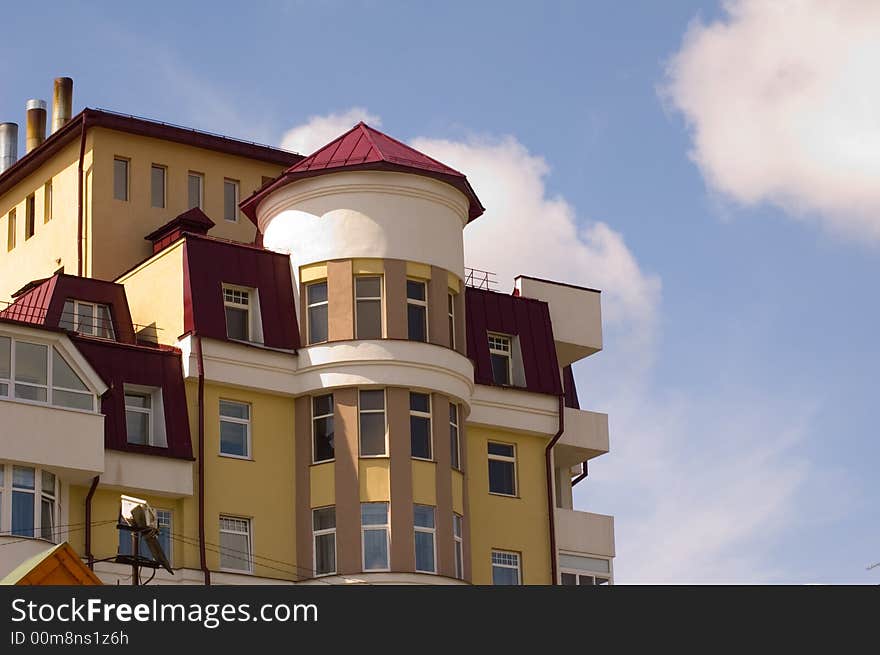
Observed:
{"x":286,"y":357}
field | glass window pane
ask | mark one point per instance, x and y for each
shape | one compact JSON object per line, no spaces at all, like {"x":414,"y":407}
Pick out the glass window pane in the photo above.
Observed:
{"x":5,"y":356}
{"x":372,"y":434}
{"x":120,"y":179}
{"x":420,"y":436}
{"x":325,"y":553}
{"x":157,"y":186}
{"x":415,"y":290}
{"x":233,"y":439}
{"x":234,"y":551}
{"x":104,"y":322}
{"x":569,"y":579}
{"x":47,"y":519}
{"x":368,"y":287}
{"x":419,"y":402}
{"x":22,"y":514}
{"x":369,"y":319}
{"x":63,"y":375}
{"x":230,"y":200}
{"x":48,"y":483}
{"x":500,"y":368}
{"x":503,"y":575}
{"x":374,"y":513}
{"x":66,"y":320}
{"x":137,"y":400}
{"x":372,"y":399}
{"x":324,"y":448}
{"x":324,"y":518}
{"x":501,"y":477}
{"x":237,"y":323}
{"x":137,"y":427}
{"x":416,"y":327}
{"x":23,"y":477}
{"x":423,"y":516}
{"x":235,"y":410}
{"x":194,"y":189}
{"x":425,"y":552}
{"x":375,"y":549}
{"x":453,"y":446}
{"x":500,"y":449}
{"x":73,"y":399}
{"x":318,"y":324}
{"x":85,"y":318}
{"x":317,"y":292}
{"x":322,"y":405}
{"x":31,"y":393}
{"x":31,"y":362}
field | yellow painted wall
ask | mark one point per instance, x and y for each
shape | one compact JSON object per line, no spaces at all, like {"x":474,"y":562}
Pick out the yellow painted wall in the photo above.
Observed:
{"x":424,"y":475}
{"x":119,"y":227}
{"x":155,"y":294}
{"x":375,"y":480}
{"x":322,"y":484}
{"x":458,"y":492}
{"x":516,"y":524}
{"x":39,"y":256}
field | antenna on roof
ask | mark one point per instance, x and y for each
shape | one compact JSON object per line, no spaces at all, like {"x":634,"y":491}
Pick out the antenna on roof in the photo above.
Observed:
{"x":137,"y":517}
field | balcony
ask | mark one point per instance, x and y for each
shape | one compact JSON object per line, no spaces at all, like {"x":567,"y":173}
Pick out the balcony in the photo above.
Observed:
{"x":576,"y":315}
{"x":585,"y":437}
{"x":68,"y":441}
{"x":584,"y":532}
{"x":148,"y":474}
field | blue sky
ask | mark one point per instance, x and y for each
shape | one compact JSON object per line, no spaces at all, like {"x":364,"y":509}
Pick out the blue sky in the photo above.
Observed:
{"x":739,"y":367}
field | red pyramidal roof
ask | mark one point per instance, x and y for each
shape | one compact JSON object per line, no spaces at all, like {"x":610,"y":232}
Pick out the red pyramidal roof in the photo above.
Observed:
{"x":365,"y":148}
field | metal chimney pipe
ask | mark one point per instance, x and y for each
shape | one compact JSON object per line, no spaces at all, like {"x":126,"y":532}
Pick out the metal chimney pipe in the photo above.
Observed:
{"x":8,"y":145}
{"x":62,"y":102}
{"x":36,"y":123}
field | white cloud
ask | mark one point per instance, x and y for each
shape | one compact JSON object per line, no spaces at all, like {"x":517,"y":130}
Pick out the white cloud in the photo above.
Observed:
{"x":784,"y":107}
{"x":318,"y":131}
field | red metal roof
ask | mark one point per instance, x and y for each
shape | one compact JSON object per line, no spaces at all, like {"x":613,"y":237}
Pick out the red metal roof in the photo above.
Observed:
{"x":365,"y":148}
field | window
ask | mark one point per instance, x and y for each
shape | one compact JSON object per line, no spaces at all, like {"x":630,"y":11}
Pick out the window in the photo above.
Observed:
{"x":322,"y":428}
{"x":195,"y":183}
{"x":47,"y":506}
{"x":120,"y":178}
{"x":237,"y":304}
{"x":23,"y":491}
{"x":92,"y":319}
{"x":235,"y":429}
{"x":420,"y":425}
{"x":316,"y":295}
{"x":47,"y":201}
{"x":157,"y":186}
{"x":371,"y":411}
{"x":417,"y":310}
{"x":375,"y":536}
{"x":454,"y":442}
{"x":235,"y":544}
{"x":368,"y":307}
{"x":35,"y":378}
{"x":459,"y":552}
{"x":450,"y":302}
{"x":10,"y":230}
{"x":584,"y":571}
{"x":580,"y":579}
{"x":230,"y":200}
{"x":33,"y":504}
{"x":164,"y":523}
{"x":505,"y":568}
{"x":499,"y":353}
{"x":144,"y":416}
{"x":324,"y":535}
{"x":425,"y":542}
{"x":502,"y":469}
{"x":30,"y":210}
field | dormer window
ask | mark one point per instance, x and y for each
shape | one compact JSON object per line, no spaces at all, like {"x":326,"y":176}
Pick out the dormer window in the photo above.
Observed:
{"x":144,"y":416}
{"x":500,"y":354}
{"x":89,"y":318}
{"x":242,"y":309}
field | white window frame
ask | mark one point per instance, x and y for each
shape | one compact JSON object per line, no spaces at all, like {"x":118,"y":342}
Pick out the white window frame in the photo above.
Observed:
{"x":156,"y":427}
{"x":375,"y":527}
{"x":358,"y":299}
{"x":325,"y":303}
{"x":30,"y":216}
{"x":503,"y":458}
{"x":424,"y":530}
{"x":496,"y":347}
{"x":517,"y":566}
{"x":38,"y":492}
{"x":237,"y":185}
{"x":74,"y":319}
{"x":450,"y":299}
{"x":595,"y":574}
{"x":321,"y":533}
{"x":201,"y":178}
{"x":458,"y":544}
{"x":50,"y":385}
{"x":420,"y":303}
{"x":384,"y":411}
{"x":455,"y":443}
{"x":317,"y":417}
{"x":238,"y":421}
{"x":232,"y":295}
{"x":164,"y":170}
{"x":127,"y":161}
{"x":427,"y":415}
{"x":249,"y":533}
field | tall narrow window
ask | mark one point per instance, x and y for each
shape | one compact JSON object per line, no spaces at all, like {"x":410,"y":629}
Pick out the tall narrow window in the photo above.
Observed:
{"x":157,"y":186}
{"x":454,"y":441}
{"x":5,"y":367}
{"x":31,"y":371}
{"x":23,"y":490}
{"x":322,"y":428}
{"x":368,"y":307}
{"x":324,"y":535}
{"x":47,"y":506}
{"x":30,"y":216}
{"x":138,"y":417}
{"x":502,"y":468}
{"x":236,"y":302}
{"x":425,"y":539}
{"x":92,"y":319}
{"x":371,"y":410}
{"x":420,"y":425}
{"x":235,"y":429}
{"x":235,"y":544}
{"x":316,"y":295}
{"x":195,"y":190}
{"x":47,"y":201}
{"x":499,"y":354}
{"x":120,"y":178}
{"x":10,"y":229}
{"x":417,"y":310}
{"x":459,"y":552}
{"x":450,"y":303}
{"x":375,"y":536}
{"x":505,"y":568}
{"x":230,"y":200}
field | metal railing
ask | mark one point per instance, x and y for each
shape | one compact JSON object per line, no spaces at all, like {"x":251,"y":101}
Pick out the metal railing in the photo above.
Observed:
{"x":474,"y":277}
{"x":34,"y":314}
